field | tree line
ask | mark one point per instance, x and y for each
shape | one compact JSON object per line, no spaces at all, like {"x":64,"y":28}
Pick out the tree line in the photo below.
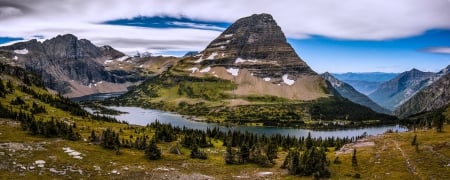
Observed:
{"x":306,"y":155}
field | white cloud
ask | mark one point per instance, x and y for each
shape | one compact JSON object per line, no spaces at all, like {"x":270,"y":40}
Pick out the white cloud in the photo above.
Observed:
{"x":350,"y":19}
{"x":438,"y":50}
{"x":196,"y":25}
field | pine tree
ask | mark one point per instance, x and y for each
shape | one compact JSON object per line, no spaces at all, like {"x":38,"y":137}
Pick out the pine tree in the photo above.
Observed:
{"x":10,"y":86}
{"x":414,"y":141}
{"x":2,"y":89}
{"x":152,"y":151}
{"x":244,"y":154}
{"x":295,"y":162}
{"x":272,"y":151}
{"x":308,"y":141}
{"x":438,"y":119}
{"x":354,"y":160}
{"x":93,"y":136}
{"x":196,"y":153}
{"x":229,"y":156}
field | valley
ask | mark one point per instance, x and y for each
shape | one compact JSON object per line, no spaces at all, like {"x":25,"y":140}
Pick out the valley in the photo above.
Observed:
{"x":255,"y":96}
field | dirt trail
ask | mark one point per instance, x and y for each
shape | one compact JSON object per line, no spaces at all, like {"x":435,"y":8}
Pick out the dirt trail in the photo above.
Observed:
{"x":409,"y":165}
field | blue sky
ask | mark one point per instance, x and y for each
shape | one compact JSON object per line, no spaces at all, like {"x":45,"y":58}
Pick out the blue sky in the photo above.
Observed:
{"x":355,"y":36}
{"x":395,"y":55}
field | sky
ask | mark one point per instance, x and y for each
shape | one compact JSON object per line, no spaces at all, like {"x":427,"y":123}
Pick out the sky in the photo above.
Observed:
{"x":329,"y":35}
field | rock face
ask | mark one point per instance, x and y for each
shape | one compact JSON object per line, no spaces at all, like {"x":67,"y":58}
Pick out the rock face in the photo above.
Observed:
{"x":347,"y":91}
{"x":70,"y":65}
{"x":258,"y":44}
{"x":429,"y":98}
{"x":254,"y":53}
{"x":395,"y":92}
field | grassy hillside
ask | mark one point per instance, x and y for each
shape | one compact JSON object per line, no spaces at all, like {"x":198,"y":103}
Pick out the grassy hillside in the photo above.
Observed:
{"x":25,"y":154}
{"x":212,"y":99}
{"x":389,"y":156}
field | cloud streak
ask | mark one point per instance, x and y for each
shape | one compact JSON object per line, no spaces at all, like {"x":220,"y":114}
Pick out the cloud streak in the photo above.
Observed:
{"x":350,"y":19}
{"x":437,"y":50}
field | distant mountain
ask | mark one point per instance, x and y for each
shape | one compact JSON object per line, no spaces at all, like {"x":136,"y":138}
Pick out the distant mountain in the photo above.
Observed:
{"x":71,"y":66}
{"x":190,"y":53}
{"x":347,"y":91}
{"x":395,"y":92}
{"x":432,"y":97}
{"x":365,"y":83}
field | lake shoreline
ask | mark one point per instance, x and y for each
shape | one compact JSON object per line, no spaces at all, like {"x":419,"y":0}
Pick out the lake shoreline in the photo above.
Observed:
{"x":140,"y":116}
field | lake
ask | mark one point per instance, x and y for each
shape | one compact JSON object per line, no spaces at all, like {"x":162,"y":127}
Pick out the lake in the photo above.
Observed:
{"x":140,"y":116}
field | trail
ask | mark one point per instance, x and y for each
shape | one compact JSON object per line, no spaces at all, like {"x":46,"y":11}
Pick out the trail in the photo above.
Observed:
{"x":409,"y":165}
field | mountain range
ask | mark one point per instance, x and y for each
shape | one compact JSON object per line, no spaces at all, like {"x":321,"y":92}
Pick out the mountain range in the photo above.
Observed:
{"x":75,"y":67}
{"x":393,"y":93}
{"x":347,"y":91}
{"x":432,"y":97}
{"x":365,"y":83}
{"x":250,"y":66}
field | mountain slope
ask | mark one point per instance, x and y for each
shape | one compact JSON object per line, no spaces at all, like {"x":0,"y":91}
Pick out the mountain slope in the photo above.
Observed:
{"x":365,"y":83}
{"x":69,"y":65}
{"x":432,"y":97}
{"x":249,"y":74}
{"x":393,"y":93}
{"x":350,"y":93}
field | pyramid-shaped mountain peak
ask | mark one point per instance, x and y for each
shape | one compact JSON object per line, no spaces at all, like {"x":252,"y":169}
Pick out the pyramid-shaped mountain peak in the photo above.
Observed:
{"x":256,"y":43}
{"x":254,"y":53}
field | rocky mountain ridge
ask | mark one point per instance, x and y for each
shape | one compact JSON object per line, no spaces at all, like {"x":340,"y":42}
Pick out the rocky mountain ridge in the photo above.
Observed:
{"x":347,"y":91}
{"x":432,"y":97}
{"x":396,"y":91}
{"x":71,"y":66}
{"x":365,"y":82}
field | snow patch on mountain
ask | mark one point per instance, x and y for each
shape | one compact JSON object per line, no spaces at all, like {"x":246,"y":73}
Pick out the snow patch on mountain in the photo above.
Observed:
{"x":123,"y":58}
{"x":199,"y":60}
{"x":240,"y":60}
{"x":287,"y":81}
{"x":212,"y":56}
{"x":21,"y":51}
{"x":233,"y":71}
{"x":205,"y":70}
{"x":193,"y":70}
